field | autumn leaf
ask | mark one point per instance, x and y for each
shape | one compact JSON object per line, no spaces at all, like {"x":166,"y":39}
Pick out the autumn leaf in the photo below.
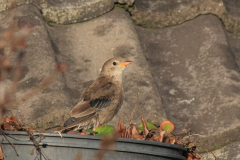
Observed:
{"x":82,"y":133}
{"x":71,"y":132}
{"x":120,"y":125}
{"x":145,"y":128}
{"x":1,"y":153}
{"x":167,"y":126}
{"x":7,"y":119}
{"x":123,"y":133}
{"x":135,"y":133}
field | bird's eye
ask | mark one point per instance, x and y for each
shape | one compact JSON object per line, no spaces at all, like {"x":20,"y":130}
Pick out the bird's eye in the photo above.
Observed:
{"x":114,"y":63}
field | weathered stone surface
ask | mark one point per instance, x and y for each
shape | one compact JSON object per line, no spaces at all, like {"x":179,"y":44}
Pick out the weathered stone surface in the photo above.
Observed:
{"x":163,"y":13}
{"x":48,"y":108}
{"x":65,"y":12}
{"x":232,"y":7}
{"x":70,"y":11}
{"x":5,"y":4}
{"x":229,"y":152}
{"x":196,"y":74}
{"x":234,"y":41}
{"x":147,"y":13}
{"x":86,"y":46}
{"x":231,"y":17}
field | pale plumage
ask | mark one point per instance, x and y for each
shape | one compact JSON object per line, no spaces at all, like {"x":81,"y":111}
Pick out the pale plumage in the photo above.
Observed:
{"x":101,"y":100}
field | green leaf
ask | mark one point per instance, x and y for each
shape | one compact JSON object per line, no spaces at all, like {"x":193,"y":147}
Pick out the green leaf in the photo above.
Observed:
{"x":149,"y":125}
{"x":188,"y":146}
{"x":167,"y":126}
{"x":90,"y":131}
{"x":104,"y":130}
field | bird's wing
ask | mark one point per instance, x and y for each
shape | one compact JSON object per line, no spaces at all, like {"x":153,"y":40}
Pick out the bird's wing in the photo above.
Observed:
{"x":95,"y":98}
{"x":82,"y":109}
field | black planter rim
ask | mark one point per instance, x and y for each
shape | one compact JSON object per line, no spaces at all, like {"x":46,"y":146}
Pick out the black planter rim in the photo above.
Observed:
{"x":77,"y":136}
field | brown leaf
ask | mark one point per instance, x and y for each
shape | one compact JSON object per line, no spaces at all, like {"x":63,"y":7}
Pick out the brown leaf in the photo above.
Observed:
{"x":7,"y":119}
{"x":31,"y":130}
{"x":135,"y":133}
{"x":71,"y":132}
{"x":31,"y":152}
{"x":167,"y":140}
{"x":1,"y":153}
{"x":120,"y":125}
{"x":8,"y":127}
{"x":82,"y":133}
{"x":123,"y":134}
{"x":145,"y":128}
{"x":13,"y":119}
{"x":129,"y":132}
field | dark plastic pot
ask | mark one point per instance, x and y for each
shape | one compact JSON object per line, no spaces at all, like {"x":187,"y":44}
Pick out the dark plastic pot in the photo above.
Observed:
{"x":56,"y":148}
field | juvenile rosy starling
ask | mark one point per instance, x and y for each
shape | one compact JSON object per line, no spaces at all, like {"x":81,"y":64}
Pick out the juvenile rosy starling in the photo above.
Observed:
{"x":101,"y":100}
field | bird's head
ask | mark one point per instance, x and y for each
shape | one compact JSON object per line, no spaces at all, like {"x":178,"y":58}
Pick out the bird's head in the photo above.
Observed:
{"x":114,"y":67}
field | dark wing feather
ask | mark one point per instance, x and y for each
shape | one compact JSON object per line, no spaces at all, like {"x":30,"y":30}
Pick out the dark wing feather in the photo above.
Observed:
{"x":73,"y":120}
{"x":100,"y":103}
{"x":98,"y":96}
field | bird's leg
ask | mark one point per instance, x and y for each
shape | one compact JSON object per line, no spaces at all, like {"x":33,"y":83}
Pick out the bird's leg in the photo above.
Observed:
{"x":96,"y":124}
{"x":77,"y":128}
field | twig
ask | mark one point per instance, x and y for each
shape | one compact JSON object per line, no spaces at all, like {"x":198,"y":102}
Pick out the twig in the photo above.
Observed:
{"x":9,"y":141}
{"x":208,"y":151}
{"x":132,"y":114}
{"x":190,"y":121}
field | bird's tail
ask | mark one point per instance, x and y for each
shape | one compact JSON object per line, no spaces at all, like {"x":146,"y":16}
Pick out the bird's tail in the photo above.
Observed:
{"x":69,"y":121}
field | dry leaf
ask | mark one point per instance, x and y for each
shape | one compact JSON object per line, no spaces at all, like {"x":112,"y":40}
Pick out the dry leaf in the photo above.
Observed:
{"x":71,"y":132}
{"x":120,"y":125}
{"x":82,"y":133}
{"x":31,"y":152}
{"x":7,"y":119}
{"x":1,"y":153}
{"x":135,"y":133}
{"x":8,"y":127}
{"x":123,"y":133}
{"x":145,"y":128}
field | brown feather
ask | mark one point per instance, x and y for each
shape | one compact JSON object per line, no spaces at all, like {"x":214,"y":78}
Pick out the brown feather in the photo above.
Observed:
{"x":102,"y":99}
{"x":82,"y":109}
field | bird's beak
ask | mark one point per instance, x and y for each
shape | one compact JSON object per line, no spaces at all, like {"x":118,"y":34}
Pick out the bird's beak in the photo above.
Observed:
{"x":125,"y":63}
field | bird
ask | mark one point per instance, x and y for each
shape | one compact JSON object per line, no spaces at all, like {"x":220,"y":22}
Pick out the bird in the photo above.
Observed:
{"x":101,"y":100}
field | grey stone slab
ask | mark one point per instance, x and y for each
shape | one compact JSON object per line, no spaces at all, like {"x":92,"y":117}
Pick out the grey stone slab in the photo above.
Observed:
{"x":163,"y":13}
{"x":196,"y":74}
{"x":229,"y":152}
{"x":5,"y":4}
{"x":231,"y":17}
{"x":86,"y":46}
{"x":69,"y":11}
{"x":234,"y":42}
{"x":48,"y":108}
{"x":232,"y":7}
